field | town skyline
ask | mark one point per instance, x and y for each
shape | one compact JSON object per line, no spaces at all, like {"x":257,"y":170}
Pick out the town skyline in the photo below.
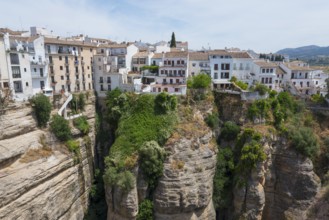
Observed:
{"x":262,"y":27}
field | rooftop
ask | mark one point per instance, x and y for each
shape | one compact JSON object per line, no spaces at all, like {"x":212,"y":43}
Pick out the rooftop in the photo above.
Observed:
{"x":199,"y":56}
{"x":266,"y":64}
{"x":68,"y":42}
{"x":141,"y":54}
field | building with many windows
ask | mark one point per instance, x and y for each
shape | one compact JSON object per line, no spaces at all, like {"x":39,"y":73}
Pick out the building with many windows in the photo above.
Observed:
{"x":70,"y":64}
{"x":198,"y":63}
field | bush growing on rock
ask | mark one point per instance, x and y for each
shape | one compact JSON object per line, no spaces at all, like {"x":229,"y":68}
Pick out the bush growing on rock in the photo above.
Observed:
{"x":81,"y":123}
{"x":165,"y":103}
{"x":42,"y":109}
{"x":145,"y":210}
{"x":152,"y":157}
{"x":212,"y":120}
{"x":61,"y":128}
{"x":304,"y":141}
{"x":230,"y":131}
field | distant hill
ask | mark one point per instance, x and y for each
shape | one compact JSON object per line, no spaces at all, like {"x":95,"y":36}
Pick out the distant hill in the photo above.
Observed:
{"x":307,"y":52}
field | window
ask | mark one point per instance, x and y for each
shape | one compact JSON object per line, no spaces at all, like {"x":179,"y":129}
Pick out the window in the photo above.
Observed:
{"x":5,"y":85}
{"x":61,"y":67}
{"x":178,"y":62}
{"x":216,"y":66}
{"x":91,"y":50}
{"x":27,"y":84}
{"x":271,"y":70}
{"x":16,"y":71}
{"x":66,"y":60}
{"x":176,"y":89}
{"x":270,"y":81}
{"x":101,"y":79}
{"x":109,"y":87}
{"x":193,"y":64}
{"x":225,"y":66}
{"x":52,"y":79}
{"x":67,"y":69}
{"x":224,"y":75}
{"x":63,"y":87}
{"x":216,"y":76}
{"x":102,"y":88}
{"x":89,"y":85}
{"x":18,"y":86}
{"x":41,"y":72}
{"x":316,"y":82}
{"x":182,"y":62}
{"x":241,"y":66}
{"x":267,"y":70}
{"x":108,"y":79}
{"x":51,"y":69}
{"x":60,"y":57}
{"x":81,"y":49}
{"x":263,"y":81}
{"x":25,"y":70}
{"x":88,"y":67}
{"x":35,"y":70}
{"x":62,"y":77}
{"x":99,"y":59}
{"x":42,"y":84}
{"x":263,"y":70}
{"x":266,"y":80}
{"x":234,"y":66}
{"x":76,"y":69}
{"x":14,"y":59}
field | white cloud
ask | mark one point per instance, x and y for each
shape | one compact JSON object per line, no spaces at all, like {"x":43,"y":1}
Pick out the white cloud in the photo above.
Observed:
{"x":255,"y":24}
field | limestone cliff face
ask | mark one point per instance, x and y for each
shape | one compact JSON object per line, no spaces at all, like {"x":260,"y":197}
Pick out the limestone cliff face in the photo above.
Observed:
{"x":39,"y":178}
{"x":185,"y":189}
{"x":282,"y":187}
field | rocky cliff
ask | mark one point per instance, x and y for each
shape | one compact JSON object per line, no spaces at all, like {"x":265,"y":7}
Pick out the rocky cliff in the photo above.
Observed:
{"x":281,"y":187}
{"x":39,"y":179}
{"x":185,"y":189}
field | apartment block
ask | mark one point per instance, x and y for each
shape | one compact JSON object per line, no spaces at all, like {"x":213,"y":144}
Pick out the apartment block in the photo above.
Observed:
{"x":70,"y":64}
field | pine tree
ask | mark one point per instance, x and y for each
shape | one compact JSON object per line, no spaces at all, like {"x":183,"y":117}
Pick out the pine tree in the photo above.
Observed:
{"x":173,"y":40}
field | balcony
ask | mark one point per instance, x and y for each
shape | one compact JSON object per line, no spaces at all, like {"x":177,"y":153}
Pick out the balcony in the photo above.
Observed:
{"x":101,"y":81}
{"x":38,"y":63}
{"x":172,"y":83}
{"x":68,"y":81}
{"x":173,"y":65}
{"x":38,"y":75}
{"x":76,"y":62}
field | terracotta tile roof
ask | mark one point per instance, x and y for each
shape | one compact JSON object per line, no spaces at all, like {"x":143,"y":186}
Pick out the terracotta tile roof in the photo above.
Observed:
{"x":266,"y":64}
{"x":240,"y":55}
{"x":25,"y":39}
{"x":11,"y":32}
{"x":157,"y":56}
{"x":198,"y":56}
{"x":68,"y":42}
{"x":219,"y":52}
{"x":141,"y":55}
{"x":279,"y":70}
{"x":182,"y":54}
{"x":298,"y":66}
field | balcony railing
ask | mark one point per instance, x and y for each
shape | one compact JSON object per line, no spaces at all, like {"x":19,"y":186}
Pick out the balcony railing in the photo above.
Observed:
{"x":173,"y":65}
{"x":39,"y":63}
{"x":76,"y":62}
{"x":172,"y":83}
{"x":101,"y":81}
{"x":38,"y":75}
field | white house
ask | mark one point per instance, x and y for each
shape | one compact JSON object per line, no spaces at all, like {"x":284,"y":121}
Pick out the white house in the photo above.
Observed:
{"x":199,"y":63}
{"x":4,"y":72}
{"x":302,"y":79}
{"x":112,"y":64}
{"x":18,"y":65}
{"x":265,"y":72}
{"x":173,"y":73}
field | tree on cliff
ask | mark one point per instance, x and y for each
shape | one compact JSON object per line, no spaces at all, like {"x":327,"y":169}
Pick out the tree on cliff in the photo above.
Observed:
{"x":173,"y":40}
{"x":42,"y":109}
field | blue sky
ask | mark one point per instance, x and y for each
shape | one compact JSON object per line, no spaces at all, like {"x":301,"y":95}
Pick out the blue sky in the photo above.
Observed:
{"x":265,"y":26}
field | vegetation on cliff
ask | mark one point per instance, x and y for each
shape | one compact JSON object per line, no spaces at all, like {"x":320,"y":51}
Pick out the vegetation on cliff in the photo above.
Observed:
{"x":139,"y":120}
{"x":42,"y":108}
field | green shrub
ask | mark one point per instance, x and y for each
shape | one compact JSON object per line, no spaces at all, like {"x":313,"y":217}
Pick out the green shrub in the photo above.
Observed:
{"x":230,"y":131}
{"x":73,"y":146}
{"x":42,"y":109}
{"x":74,"y":104}
{"x":259,"y":108}
{"x":318,"y":99}
{"x":200,"y":81}
{"x":304,"y":141}
{"x":242,"y":85}
{"x":151,"y":157}
{"x":251,"y":154}
{"x":262,"y":89}
{"x":61,"y":128}
{"x":81,"y":102}
{"x":223,"y":178}
{"x":212,"y":120}
{"x":145,"y":210}
{"x":165,"y":103}
{"x":123,"y":179}
{"x":81,"y":123}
